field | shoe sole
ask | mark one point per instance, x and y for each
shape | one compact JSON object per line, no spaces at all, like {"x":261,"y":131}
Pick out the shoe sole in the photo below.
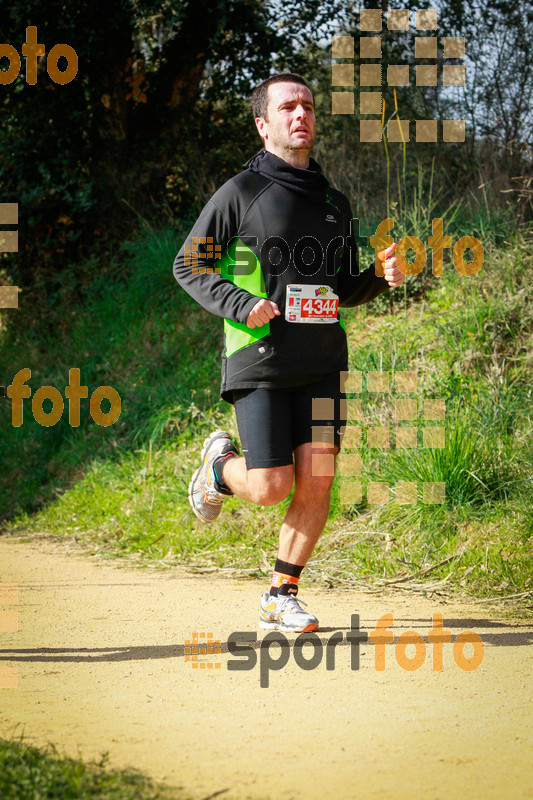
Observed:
{"x":279,"y":626}
{"x":205,"y":449}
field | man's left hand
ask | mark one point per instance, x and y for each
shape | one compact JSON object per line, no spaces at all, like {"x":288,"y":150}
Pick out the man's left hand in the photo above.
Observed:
{"x":393,"y":276}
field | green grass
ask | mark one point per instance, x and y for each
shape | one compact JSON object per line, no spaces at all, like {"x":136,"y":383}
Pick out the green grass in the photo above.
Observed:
{"x":122,"y":491}
{"x":471,"y":343}
{"x":32,"y":773}
{"x":135,"y":333}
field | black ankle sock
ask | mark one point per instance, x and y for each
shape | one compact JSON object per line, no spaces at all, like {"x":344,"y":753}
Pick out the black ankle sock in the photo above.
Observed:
{"x":218,"y":465}
{"x":291,"y":570}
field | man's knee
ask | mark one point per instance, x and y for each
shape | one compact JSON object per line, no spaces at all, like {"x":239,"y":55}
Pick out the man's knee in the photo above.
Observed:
{"x":271,"y":486}
{"x":318,"y":486}
{"x":315,"y":470}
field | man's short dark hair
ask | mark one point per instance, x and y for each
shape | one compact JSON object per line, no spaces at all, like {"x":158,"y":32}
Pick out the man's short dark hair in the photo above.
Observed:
{"x":260,"y":93}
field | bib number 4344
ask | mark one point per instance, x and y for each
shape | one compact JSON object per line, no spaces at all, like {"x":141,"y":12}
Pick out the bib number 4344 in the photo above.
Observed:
{"x":319,"y":307}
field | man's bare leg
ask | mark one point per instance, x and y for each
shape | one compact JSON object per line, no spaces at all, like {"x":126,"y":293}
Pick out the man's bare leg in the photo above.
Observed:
{"x":263,"y":486}
{"x":303,"y":523}
{"x":308,"y":512}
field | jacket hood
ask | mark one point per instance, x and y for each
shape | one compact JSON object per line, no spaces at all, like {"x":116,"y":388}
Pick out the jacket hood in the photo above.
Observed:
{"x":310,"y":181}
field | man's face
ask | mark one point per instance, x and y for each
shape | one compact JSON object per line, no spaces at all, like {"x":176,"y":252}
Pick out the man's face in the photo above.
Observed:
{"x":290,"y":123}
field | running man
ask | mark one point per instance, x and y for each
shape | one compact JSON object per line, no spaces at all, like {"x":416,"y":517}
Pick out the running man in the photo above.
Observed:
{"x":271,"y":253}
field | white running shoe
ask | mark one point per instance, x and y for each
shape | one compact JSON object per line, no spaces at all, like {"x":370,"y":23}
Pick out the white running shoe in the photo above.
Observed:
{"x":206,"y":501}
{"x":285,"y":613}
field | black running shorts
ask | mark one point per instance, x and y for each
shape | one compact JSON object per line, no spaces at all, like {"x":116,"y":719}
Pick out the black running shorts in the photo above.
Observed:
{"x":274,"y":422}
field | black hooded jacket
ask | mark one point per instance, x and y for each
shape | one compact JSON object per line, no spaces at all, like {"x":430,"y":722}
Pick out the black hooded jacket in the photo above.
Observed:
{"x":267,"y":227}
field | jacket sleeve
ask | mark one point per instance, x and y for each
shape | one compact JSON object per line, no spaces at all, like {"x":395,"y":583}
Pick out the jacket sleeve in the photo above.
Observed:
{"x":355,"y":289}
{"x":215,"y":227}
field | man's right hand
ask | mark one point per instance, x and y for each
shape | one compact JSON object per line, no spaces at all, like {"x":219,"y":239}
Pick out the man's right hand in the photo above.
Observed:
{"x":261,"y":313}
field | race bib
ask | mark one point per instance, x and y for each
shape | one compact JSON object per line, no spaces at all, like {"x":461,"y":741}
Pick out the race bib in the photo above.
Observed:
{"x":305,"y":303}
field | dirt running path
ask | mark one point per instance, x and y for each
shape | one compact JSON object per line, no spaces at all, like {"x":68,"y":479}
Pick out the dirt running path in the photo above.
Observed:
{"x":101,"y":667}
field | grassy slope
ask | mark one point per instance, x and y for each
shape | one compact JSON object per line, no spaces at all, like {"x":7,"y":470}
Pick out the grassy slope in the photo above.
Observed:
{"x":31,"y":773}
{"x":123,"y":490}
